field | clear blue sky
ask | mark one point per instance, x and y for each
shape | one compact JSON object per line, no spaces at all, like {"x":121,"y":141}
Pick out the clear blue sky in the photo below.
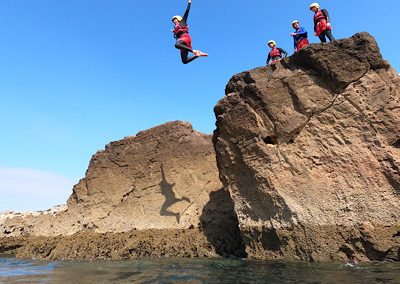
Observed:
{"x":75,"y":75}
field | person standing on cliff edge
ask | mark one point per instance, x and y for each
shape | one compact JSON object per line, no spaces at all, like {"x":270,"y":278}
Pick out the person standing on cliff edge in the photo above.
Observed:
{"x":322,"y":25}
{"x":276,"y":53}
{"x":299,"y":36}
{"x":184,"y":42}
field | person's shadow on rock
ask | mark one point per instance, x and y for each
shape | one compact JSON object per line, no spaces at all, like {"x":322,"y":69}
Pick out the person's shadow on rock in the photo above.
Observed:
{"x":170,"y":198}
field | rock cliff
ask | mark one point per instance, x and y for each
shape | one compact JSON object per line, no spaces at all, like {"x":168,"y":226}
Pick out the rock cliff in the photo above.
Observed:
{"x":158,"y":181}
{"x":309,"y":149}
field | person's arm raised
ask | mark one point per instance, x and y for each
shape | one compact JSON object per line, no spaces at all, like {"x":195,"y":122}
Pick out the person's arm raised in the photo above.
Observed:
{"x":185,"y":16}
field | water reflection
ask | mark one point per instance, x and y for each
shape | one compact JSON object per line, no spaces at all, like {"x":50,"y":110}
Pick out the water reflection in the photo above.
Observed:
{"x":165,"y":270}
{"x":13,"y":270}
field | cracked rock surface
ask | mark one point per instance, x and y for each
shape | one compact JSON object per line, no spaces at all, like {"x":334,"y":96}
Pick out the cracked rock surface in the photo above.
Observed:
{"x":309,"y":149}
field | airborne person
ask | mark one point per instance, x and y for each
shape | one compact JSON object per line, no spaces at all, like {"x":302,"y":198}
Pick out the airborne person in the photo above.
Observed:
{"x":322,"y":25}
{"x":184,"y":42}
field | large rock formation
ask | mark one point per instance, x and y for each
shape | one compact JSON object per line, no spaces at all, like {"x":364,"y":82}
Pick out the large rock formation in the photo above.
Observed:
{"x":160,"y":180}
{"x":309,"y":149}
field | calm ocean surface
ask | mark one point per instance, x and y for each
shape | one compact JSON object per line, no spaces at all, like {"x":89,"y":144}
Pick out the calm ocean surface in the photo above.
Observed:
{"x":171,"y":270}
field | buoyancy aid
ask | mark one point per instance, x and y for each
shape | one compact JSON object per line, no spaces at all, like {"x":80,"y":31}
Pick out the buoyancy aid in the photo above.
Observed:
{"x":319,"y":16}
{"x":302,"y":43}
{"x":275,"y":52}
{"x":179,"y":31}
{"x":320,"y":22}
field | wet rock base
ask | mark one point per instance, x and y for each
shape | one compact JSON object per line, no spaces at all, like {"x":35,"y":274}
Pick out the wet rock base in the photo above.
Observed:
{"x":324,"y":243}
{"x":111,"y":246}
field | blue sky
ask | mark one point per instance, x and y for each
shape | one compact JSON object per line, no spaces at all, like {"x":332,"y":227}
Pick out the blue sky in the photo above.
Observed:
{"x":76,"y":75}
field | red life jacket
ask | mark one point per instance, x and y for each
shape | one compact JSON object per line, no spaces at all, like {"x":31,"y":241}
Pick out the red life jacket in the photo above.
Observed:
{"x":179,"y":31}
{"x":302,"y":43}
{"x":319,"y":16}
{"x":275,"y":52}
{"x":320,"y":22}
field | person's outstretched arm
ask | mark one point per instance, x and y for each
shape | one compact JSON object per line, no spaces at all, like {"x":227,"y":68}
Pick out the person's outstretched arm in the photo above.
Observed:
{"x":185,"y":16}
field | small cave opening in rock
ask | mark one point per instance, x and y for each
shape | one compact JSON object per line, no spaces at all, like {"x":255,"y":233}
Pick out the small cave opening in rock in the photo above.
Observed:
{"x":396,"y":235}
{"x":270,"y":140}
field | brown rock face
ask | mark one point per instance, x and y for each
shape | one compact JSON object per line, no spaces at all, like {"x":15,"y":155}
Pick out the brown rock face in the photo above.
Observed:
{"x":310,"y":152}
{"x":159,"y":179}
{"x":153,"y":194}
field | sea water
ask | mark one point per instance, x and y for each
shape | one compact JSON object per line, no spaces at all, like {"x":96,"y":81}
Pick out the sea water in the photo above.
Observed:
{"x":173,"y":270}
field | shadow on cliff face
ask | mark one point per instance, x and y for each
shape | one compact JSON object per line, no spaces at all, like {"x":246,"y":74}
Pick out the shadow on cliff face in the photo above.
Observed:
{"x":170,"y":198}
{"x":220,"y":224}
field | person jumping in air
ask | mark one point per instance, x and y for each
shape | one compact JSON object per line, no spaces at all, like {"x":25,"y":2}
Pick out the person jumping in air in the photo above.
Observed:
{"x":299,"y":36}
{"x":322,"y":25}
{"x":184,"y":42}
{"x":275,"y":53}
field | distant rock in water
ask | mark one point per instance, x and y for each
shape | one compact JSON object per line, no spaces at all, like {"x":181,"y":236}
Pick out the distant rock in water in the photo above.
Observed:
{"x":52,"y":211}
{"x":309,"y":149}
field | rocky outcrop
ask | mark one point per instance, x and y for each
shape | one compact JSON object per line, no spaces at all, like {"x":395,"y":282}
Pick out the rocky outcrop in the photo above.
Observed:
{"x":309,"y":149}
{"x":160,"y":180}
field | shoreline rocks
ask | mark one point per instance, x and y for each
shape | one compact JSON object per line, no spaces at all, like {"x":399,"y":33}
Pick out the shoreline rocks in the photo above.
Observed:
{"x":112,"y":246}
{"x":52,"y":211}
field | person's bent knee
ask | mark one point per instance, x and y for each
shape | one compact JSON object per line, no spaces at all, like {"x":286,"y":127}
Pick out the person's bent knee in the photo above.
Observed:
{"x":184,"y":60}
{"x":180,"y":44}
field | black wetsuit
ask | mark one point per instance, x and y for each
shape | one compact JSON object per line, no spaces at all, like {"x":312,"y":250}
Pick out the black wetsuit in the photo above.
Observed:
{"x":326,"y":32}
{"x":180,"y":44}
{"x":276,"y":57}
